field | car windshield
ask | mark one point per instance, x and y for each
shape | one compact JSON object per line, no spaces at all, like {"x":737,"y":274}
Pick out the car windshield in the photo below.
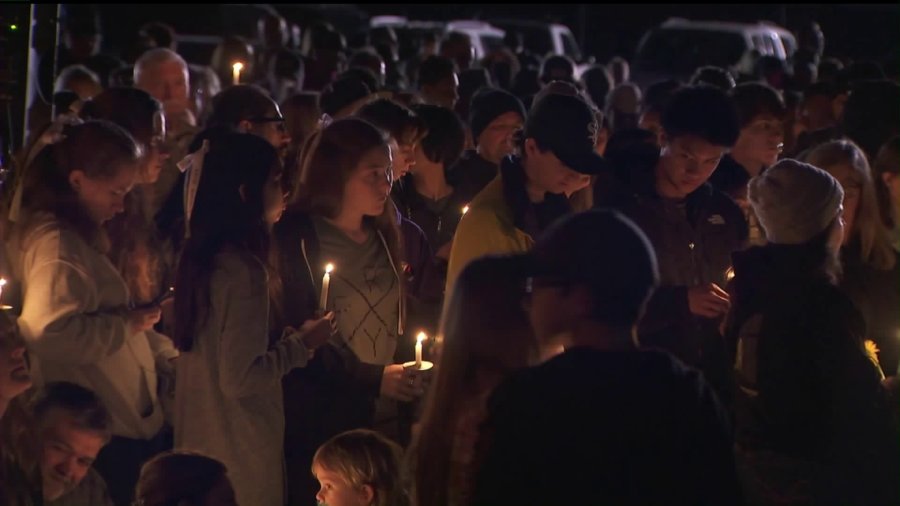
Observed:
{"x":683,"y":50}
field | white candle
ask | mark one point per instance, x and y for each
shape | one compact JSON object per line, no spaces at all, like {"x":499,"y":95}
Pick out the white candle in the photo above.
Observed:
{"x":236,"y":68}
{"x":421,"y":337}
{"x":326,"y":280}
{"x":2,"y":284}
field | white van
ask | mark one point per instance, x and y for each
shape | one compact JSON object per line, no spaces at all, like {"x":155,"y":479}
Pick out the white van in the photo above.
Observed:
{"x":678,"y":46}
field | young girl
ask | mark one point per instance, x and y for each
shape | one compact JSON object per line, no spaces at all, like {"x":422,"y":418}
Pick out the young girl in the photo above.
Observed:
{"x":135,"y":246}
{"x":228,"y":401}
{"x":359,"y":468}
{"x":871,"y":273}
{"x":75,"y":312}
{"x":341,"y":216}
{"x":486,"y":336}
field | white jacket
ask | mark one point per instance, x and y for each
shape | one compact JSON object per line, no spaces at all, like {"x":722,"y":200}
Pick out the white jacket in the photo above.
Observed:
{"x":73,"y":321}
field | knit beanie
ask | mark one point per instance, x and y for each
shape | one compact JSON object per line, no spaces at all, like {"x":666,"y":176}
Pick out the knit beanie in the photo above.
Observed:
{"x":794,"y":201}
{"x":487,"y":104}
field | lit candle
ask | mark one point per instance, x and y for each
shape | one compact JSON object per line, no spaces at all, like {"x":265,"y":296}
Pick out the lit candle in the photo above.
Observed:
{"x":326,"y":280}
{"x":236,"y":68}
{"x":421,"y":337}
{"x":2,"y":284}
{"x":729,"y":274}
{"x":465,"y":209}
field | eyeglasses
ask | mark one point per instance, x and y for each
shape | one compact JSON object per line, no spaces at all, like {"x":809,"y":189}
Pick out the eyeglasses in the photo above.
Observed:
{"x":269,"y":119}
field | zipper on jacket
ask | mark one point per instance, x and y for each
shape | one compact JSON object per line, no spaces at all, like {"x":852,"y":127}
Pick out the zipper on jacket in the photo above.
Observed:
{"x":399,"y":277}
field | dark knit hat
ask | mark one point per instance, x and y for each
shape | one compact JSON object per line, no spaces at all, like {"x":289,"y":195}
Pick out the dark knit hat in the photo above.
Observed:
{"x":794,"y":201}
{"x":489,"y":103}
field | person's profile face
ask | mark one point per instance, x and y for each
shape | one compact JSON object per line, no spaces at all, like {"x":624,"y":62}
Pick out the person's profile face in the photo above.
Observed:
{"x":369,"y":185}
{"x":103,"y":198}
{"x":15,"y":376}
{"x":762,"y":140}
{"x":67,"y":455}
{"x":335,"y":491}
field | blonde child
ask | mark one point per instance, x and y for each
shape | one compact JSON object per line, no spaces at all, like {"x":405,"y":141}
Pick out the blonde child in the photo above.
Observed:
{"x":359,"y":468}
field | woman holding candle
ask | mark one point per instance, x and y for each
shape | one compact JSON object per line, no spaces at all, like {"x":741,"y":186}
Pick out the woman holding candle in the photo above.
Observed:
{"x":341,"y":215}
{"x":812,"y":420}
{"x":228,"y":401}
{"x":486,"y":336}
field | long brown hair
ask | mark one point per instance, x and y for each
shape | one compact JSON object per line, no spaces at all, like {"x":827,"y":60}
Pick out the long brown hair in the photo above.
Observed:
{"x":330,"y":157}
{"x":100,"y":148}
{"x":135,"y":247}
{"x":868,"y":229}
{"x":486,"y":334}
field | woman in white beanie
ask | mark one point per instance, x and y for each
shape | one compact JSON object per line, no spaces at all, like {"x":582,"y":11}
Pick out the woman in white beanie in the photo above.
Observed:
{"x":812,"y":419}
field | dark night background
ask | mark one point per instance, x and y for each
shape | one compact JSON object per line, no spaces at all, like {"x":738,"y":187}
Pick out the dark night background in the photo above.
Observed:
{"x":857,"y":31}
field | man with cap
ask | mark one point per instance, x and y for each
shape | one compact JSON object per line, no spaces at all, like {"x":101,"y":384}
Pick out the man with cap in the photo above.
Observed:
{"x":813,"y":422}
{"x":494,"y":117}
{"x":693,"y":227}
{"x":555,"y":153}
{"x":603,"y":422}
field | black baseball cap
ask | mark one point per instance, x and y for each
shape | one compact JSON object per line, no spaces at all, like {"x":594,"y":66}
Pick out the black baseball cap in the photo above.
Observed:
{"x":567,"y":126}
{"x":603,"y":250}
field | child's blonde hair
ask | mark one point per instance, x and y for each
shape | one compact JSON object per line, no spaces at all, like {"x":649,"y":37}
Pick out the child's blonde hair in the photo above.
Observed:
{"x":364,"y":457}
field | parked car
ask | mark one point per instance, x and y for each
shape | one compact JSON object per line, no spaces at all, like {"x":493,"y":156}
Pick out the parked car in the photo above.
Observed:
{"x":543,"y":39}
{"x":678,"y":46}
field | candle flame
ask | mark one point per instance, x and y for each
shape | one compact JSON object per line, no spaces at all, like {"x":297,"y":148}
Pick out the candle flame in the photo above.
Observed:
{"x":237,"y":66}
{"x":329,"y":268}
{"x":421,"y":337}
{"x":465,"y":209}
{"x":2,"y":281}
{"x":729,"y":274}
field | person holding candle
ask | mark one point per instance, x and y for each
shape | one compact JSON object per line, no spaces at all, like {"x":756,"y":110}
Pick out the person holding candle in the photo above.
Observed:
{"x":693,"y":227}
{"x":228,"y":401}
{"x":341,"y":215}
{"x":75,"y":312}
{"x":486,"y":336}
{"x":604,"y":422}
{"x":812,"y":418}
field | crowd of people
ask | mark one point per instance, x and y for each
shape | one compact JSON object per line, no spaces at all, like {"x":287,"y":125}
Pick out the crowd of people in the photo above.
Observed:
{"x":684,"y":294}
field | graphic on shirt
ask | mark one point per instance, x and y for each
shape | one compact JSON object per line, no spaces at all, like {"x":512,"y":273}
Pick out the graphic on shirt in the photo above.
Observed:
{"x":362,"y":308}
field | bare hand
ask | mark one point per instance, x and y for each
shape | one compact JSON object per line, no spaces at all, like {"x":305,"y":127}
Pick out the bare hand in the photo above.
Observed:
{"x":139,"y":320}
{"x":399,"y":384}
{"x":315,"y":333}
{"x":708,"y":301}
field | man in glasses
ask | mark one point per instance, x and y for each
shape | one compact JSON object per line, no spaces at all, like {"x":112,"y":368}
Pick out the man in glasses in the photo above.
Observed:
{"x":605,"y":422}
{"x":693,"y":227}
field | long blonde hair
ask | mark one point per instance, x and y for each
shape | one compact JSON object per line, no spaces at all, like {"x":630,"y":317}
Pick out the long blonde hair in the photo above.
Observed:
{"x":869,"y":228}
{"x":485,"y":332}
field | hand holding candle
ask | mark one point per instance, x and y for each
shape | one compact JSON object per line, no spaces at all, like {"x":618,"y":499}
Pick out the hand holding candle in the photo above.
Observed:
{"x":326,"y":281}
{"x":236,"y":68}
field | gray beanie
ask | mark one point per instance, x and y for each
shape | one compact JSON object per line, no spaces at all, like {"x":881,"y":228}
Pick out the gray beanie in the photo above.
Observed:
{"x":794,"y":201}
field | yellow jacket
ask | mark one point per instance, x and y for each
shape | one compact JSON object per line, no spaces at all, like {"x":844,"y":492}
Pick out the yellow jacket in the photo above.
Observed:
{"x":488,"y":228}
